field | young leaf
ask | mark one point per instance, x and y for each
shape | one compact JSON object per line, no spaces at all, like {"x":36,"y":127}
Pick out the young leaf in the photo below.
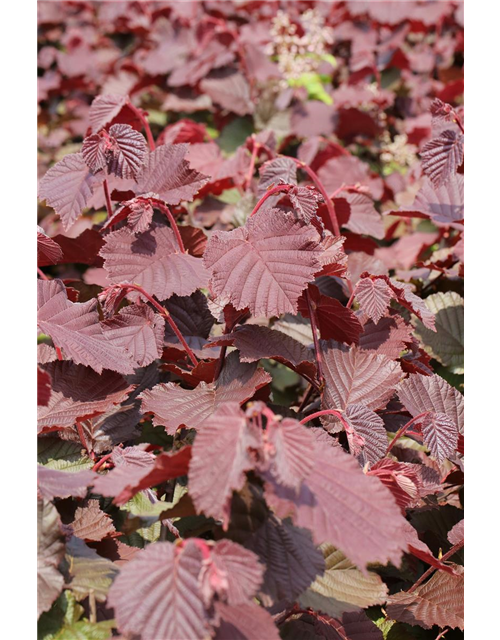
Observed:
{"x":264,"y":265}
{"x":277,"y":171}
{"x":374,"y":297}
{"x":168,"y":174}
{"x":48,"y":251}
{"x":63,"y":484}
{"x":104,"y":110}
{"x":440,"y":434}
{"x":235,"y":573}
{"x":442,"y":156}
{"x":292,"y":456}
{"x":128,"y":151}
{"x":368,"y":441}
{"x":91,"y":523}
{"x":420,"y":393}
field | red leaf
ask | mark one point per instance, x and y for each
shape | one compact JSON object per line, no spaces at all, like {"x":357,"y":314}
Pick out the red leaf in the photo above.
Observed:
{"x":442,"y":156}
{"x":440,"y":434}
{"x":456,"y":533}
{"x":354,"y":376}
{"x":235,"y":573}
{"x":374,"y":297}
{"x":231,"y":92}
{"x":292,"y":458}
{"x":370,"y":527}
{"x":335,"y":321}
{"x":173,"y":406}
{"x":167,"y":173}
{"x":68,"y":186}
{"x":443,"y":204}
{"x":63,"y":484}
{"x":264,"y":265}
{"x":221,"y":456}
{"x":439,"y":601}
{"x":91,"y":523}
{"x":139,"y":331}
{"x":368,"y":441}
{"x":128,"y":151}
{"x":389,"y":337}
{"x":277,"y":171}
{"x":152,"y":260}
{"x":75,"y":328}
{"x":173,"y":608}
{"x":48,"y":251}
{"x":420,"y":393}
{"x":78,"y":392}
{"x":43,"y":388}
{"x":104,"y":110}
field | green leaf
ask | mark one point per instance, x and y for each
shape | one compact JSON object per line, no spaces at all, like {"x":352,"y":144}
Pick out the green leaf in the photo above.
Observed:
{"x":343,"y":587}
{"x":446,"y":344}
{"x":315,"y":89}
{"x":88,"y":570}
{"x":64,"y":611}
{"x":62,"y":455}
{"x":234,"y":134}
{"x":85,"y":630}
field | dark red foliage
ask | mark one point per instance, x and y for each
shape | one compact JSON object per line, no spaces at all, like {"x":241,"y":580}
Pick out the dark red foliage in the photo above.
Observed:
{"x":250,"y":311}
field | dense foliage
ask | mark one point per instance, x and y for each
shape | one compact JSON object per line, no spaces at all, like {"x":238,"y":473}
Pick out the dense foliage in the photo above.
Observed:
{"x":250,"y":314}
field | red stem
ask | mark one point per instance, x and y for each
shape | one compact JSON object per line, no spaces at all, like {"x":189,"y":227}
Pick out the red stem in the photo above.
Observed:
{"x":322,"y":190}
{"x":109,"y":206}
{"x":312,"y":318}
{"x":59,"y":354}
{"x":268,"y":194}
{"x":404,"y":428}
{"x":351,"y":299}
{"x":138,"y":112}
{"x":327,"y":412}
{"x":431,"y":569}
{"x":81,"y":435}
{"x":99,"y":464}
{"x":166,"y":315}
{"x":251,"y":169}
{"x":41,"y":274}
{"x":164,"y":209}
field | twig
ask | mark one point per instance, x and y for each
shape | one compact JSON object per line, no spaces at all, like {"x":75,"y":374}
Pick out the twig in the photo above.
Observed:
{"x":164,"y":209}
{"x":312,"y":317}
{"x":404,"y":428}
{"x":41,"y":274}
{"x":431,"y":569}
{"x":268,"y":194}
{"x":109,"y":206}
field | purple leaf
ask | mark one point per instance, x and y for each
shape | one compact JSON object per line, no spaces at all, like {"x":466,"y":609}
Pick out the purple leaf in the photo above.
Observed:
{"x":157,"y":593}
{"x":292,"y":561}
{"x":264,"y":265}
{"x":75,"y":328}
{"x":127,"y":152}
{"x":277,"y":171}
{"x":442,"y":156}
{"x":173,"y":406}
{"x":78,"y":393}
{"x":388,"y":337}
{"x":354,"y":376}
{"x":369,"y":529}
{"x":456,"y":534}
{"x":221,"y":456}
{"x":154,"y":261}
{"x":139,"y":331}
{"x":420,"y":393}
{"x":369,"y":440}
{"x":245,"y":622}
{"x":167,"y":173}
{"x":443,"y":204}
{"x":68,"y":186}
{"x":374,"y":297}
{"x":91,"y":523}
{"x":50,"y":551}
{"x":104,"y":110}
{"x":94,"y":152}
{"x":440,"y":434}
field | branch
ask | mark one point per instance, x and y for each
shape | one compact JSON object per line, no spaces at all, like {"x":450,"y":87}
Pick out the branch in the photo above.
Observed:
{"x":404,"y":428}
{"x":268,"y":194}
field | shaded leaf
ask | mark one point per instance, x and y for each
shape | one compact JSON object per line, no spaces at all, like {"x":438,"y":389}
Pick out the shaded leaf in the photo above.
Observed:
{"x":447,"y":343}
{"x":48,"y":251}
{"x":231,"y":92}
{"x":91,"y":523}
{"x":173,"y":406}
{"x":335,"y":321}
{"x":439,"y":601}
{"x":63,"y":484}
{"x":89,"y":571}
{"x":245,"y":622}
{"x":50,"y":551}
